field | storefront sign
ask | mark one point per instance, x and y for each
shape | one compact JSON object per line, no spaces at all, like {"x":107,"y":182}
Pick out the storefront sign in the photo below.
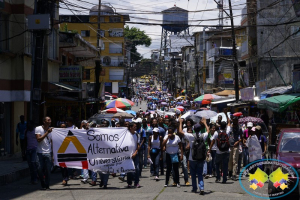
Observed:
{"x":70,"y":74}
{"x":94,"y":149}
{"x":260,"y":87}
{"x":247,"y":94}
{"x":296,"y":81}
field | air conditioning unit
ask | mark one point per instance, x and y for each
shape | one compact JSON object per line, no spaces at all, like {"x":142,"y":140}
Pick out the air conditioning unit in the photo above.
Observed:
{"x":107,"y":60}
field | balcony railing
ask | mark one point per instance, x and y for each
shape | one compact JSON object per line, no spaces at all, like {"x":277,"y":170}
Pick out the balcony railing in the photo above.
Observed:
{"x":219,"y":52}
{"x":115,"y":64}
{"x":116,"y":34}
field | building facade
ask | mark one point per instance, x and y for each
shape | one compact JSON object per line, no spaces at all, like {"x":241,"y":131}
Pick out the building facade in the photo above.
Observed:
{"x":112,"y":43}
{"x":16,"y":63}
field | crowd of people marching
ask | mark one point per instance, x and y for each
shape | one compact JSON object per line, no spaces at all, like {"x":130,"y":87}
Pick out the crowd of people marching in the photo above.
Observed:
{"x":168,"y":144}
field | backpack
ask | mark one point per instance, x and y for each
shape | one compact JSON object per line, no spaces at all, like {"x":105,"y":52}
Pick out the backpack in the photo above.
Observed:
{"x":199,"y":149}
{"x":223,"y":141}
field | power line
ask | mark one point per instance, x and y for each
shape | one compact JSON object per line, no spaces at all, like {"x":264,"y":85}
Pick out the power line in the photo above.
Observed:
{"x":14,"y":36}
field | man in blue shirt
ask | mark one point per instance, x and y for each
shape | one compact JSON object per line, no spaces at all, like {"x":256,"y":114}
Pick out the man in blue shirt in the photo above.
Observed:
{"x":20,"y":132}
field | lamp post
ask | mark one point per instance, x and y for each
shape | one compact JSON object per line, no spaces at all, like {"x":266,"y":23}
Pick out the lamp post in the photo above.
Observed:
{"x":185,"y":78}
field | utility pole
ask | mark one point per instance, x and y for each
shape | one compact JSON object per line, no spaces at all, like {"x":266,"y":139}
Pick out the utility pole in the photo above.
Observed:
{"x":204,"y":58}
{"x":197,"y":67}
{"x":98,"y":62}
{"x":40,"y":7}
{"x":234,"y":54}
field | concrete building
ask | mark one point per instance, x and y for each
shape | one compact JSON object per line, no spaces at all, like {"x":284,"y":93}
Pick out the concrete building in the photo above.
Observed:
{"x":112,"y":42}
{"x":15,"y":67}
{"x":277,"y":46}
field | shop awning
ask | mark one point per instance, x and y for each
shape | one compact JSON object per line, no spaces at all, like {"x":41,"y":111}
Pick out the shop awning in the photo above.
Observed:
{"x":219,"y":101}
{"x":279,"y":103}
{"x":225,"y":93}
{"x":275,"y":90}
{"x":69,"y":88}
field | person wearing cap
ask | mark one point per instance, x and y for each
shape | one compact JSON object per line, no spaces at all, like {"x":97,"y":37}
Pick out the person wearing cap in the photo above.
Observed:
{"x":245,"y":148}
{"x":196,"y":167}
{"x":154,"y":151}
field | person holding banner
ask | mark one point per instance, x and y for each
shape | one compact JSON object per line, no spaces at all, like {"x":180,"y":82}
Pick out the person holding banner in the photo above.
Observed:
{"x":44,"y":152}
{"x":65,"y":170}
{"x":154,"y":151}
{"x":172,"y":143}
{"x":135,"y":157}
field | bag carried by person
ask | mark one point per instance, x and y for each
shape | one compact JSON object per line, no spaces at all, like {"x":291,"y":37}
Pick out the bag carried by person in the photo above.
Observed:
{"x":199,"y":148}
{"x":174,"y":158}
{"x":223,"y":141}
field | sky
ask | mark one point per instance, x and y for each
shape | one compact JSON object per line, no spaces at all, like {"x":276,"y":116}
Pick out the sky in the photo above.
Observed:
{"x":138,"y":11}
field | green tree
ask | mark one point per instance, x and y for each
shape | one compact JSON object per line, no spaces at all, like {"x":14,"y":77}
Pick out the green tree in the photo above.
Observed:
{"x":136,"y":37}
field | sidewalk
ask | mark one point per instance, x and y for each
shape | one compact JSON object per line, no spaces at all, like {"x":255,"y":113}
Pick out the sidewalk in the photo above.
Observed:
{"x":12,"y":168}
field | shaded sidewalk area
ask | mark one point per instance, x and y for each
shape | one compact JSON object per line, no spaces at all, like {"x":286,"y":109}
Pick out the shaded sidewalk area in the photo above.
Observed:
{"x":12,"y":168}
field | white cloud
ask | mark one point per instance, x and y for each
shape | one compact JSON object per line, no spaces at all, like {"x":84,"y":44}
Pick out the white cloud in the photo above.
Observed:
{"x":133,"y":7}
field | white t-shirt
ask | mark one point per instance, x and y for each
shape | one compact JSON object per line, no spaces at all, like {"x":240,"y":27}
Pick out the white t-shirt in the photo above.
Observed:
{"x":214,"y":147}
{"x":135,"y":140}
{"x":45,"y":145}
{"x":172,"y":145}
{"x":191,"y":139}
{"x":215,"y":137}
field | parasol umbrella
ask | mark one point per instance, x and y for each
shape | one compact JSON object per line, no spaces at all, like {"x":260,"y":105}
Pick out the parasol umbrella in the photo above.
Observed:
{"x":164,"y":103}
{"x":130,"y":112}
{"x":119,"y":103}
{"x":169,"y":94}
{"x":123,"y":115}
{"x":183,"y":91}
{"x":254,"y":120}
{"x":186,"y":105}
{"x":114,"y":96}
{"x":237,"y":114}
{"x":150,"y":97}
{"x":179,"y":103}
{"x":206,"y":98}
{"x":206,"y":114}
{"x":187,"y":114}
{"x":180,"y":107}
{"x":113,"y":110}
{"x":195,"y":118}
{"x":107,"y":93}
{"x":175,"y":110}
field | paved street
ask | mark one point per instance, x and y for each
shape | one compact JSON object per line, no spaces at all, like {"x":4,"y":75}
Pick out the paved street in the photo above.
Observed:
{"x":116,"y":190}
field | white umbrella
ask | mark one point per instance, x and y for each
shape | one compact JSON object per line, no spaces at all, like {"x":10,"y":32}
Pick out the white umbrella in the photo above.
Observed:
{"x":206,"y":114}
{"x":189,"y":113}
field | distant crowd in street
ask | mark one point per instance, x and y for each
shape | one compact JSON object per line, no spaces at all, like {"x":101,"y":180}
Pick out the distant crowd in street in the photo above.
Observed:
{"x":166,"y":143}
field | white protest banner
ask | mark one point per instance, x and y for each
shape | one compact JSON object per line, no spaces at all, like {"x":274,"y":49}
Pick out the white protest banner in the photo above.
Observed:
{"x":98,"y":149}
{"x":255,"y":152}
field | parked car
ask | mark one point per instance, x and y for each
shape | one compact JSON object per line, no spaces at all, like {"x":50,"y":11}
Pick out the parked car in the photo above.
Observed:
{"x":287,"y":149}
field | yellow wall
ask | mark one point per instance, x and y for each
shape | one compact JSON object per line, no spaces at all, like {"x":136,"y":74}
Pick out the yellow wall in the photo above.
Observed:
{"x":93,"y":32}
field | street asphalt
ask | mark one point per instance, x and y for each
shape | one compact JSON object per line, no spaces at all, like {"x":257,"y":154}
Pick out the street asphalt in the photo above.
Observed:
{"x":150,"y":189}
